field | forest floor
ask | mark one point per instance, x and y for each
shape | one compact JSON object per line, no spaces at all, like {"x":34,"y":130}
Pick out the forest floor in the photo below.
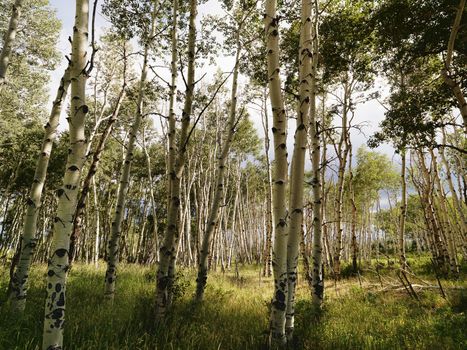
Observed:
{"x":369,"y":312}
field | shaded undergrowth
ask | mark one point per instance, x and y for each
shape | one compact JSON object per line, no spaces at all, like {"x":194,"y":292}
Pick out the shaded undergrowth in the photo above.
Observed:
{"x":234,"y":315}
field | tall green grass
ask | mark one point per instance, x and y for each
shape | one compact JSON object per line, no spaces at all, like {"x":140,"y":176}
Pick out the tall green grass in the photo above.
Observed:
{"x":234,"y":315}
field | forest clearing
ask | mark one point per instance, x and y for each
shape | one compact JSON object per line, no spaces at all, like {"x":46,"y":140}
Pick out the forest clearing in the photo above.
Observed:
{"x":233,"y":174}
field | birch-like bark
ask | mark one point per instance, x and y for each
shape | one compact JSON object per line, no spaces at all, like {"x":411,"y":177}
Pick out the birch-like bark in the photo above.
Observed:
{"x":154,"y":232}
{"x":353,"y":224}
{"x":403,"y":213}
{"x":96,"y":155}
{"x":173,"y":147}
{"x":444,"y":221}
{"x":219,"y":195}
{"x":166,"y":271}
{"x":67,"y":195}
{"x":317,"y":173}
{"x":98,"y":224}
{"x":267,"y":258}
{"x":116,"y":230}
{"x":439,"y":247}
{"x":29,"y":239}
{"x":171,"y":134}
{"x":342,"y":153}
{"x":458,"y":204}
{"x":279,"y":130}
{"x":327,"y":259}
{"x":422,"y":194}
{"x":297,"y":173}
{"x":9,"y":39}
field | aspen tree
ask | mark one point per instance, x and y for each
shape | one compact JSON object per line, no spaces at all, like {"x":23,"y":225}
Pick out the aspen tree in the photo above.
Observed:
{"x":89,"y":178}
{"x":9,"y":39}
{"x":403,"y":213}
{"x":317,"y":171}
{"x":179,"y":162}
{"x":166,"y":270}
{"x":63,"y":222}
{"x":114,"y":241}
{"x":430,"y":224}
{"x":98,"y":225}
{"x":153,"y":201}
{"x":171,"y":134}
{"x":267,"y":260}
{"x":96,"y":153}
{"x":29,"y":239}
{"x":440,"y":251}
{"x":460,"y":165}
{"x":279,"y":130}
{"x":443,"y":213}
{"x":219,"y":195}
{"x":324,"y":195}
{"x":458,"y":204}
{"x":353,"y":224}
{"x":297,"y":172}
{"x":342,"y":154}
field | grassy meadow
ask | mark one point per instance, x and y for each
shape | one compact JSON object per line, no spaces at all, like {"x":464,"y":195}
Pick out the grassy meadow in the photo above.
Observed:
{"x":359,"y":313}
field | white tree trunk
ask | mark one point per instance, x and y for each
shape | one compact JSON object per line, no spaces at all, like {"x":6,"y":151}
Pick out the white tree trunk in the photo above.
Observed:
{"x":220,"y":187}
{"x":169,"y":247}
{"x":279,"y":256}
{"x":317,"y":172}
{"x":63,"y":222}
{"x":9,"y":39}
{"x":297,"y":173}
{"x":29,"y":239}
{"x":114,"y":241}
{"x":403,"y":213}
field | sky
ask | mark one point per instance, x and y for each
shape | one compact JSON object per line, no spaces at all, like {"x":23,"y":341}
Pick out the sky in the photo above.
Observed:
{"x":369,"y":114}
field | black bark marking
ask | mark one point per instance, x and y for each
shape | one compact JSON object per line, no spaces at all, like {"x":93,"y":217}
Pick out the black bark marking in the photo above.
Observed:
{"x":54,"y":347}
{"x":318,"y":287}
{"x":61,"y":252}
{"x":279,"y":303}
{"x":57,"y":315}
{"x":61,"y":300}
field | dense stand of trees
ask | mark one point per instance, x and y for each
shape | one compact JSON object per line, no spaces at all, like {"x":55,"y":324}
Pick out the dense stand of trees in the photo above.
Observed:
{"x":163,"y":164}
